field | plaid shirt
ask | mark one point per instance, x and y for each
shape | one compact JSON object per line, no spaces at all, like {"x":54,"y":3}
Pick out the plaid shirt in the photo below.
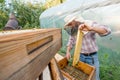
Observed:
{"x":89,"y":40}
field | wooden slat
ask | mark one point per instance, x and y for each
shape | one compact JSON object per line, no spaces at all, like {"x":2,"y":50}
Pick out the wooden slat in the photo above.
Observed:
{"x":14,"y":37}
{"x":38,"y":44}
{"x":55,"y":71}
{"x":15,"y":61}
{"x":58,"y":57}
{"x":78,"y":46}
{"x":86,"y":68}
{"x":67,"y":76}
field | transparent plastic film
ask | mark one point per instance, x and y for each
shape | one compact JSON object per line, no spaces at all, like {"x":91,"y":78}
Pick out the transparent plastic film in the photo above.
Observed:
{"x":105,"y":12}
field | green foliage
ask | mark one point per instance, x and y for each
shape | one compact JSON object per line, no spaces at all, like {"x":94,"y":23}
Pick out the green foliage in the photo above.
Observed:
{"x":1,"y":1}
{"x":109,"y":72}
{"x":27,"y":14}
{"x":3,"y":18}
{"x":70,"y":61}
{"x":3,"y":14}
{"x":109,"y":64}
{"x":62,"y":52}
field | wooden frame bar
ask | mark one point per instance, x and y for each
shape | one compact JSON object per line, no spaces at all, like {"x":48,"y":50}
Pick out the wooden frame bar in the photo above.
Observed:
{"x":55,"y":71}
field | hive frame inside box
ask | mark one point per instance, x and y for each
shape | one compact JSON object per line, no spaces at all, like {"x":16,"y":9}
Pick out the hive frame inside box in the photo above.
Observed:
{"x":86,"y":68}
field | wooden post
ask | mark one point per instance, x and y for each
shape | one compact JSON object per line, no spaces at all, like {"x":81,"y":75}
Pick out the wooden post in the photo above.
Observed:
{"x":55,"y":71}
{"x":77,"y":47}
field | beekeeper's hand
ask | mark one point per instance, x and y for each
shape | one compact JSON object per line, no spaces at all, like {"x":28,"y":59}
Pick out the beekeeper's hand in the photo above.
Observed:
{"x":86,"y":26}
{"x":68,"y":55}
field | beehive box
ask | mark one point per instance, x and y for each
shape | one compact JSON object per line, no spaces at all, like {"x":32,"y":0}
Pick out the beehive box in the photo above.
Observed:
{"x":81,"y":71}
{"x":24,"y":54}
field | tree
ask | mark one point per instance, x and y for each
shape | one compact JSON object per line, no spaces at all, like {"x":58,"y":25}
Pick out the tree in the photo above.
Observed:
{"x":1,"y":1}
{"x":26,"y":14}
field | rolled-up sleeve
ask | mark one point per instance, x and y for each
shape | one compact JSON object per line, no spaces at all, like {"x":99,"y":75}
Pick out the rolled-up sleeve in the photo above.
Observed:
{"x":108,"y":30}
{"x":71,"y":41}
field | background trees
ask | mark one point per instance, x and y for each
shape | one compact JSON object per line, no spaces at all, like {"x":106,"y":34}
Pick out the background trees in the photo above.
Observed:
{"x":26,"y":13}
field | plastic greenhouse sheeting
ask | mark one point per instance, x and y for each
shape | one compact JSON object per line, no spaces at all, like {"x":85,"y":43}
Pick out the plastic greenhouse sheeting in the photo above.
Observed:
{"x":103,"y":11}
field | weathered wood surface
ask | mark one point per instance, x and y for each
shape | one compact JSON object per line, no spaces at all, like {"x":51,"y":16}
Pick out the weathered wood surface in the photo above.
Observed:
{"x":55,"y":71}
{"x":24,"y":54}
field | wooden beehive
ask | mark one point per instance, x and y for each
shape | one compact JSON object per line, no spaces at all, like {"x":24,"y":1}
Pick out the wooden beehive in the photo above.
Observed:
{"x":77,"y":69}
{"x":24,"y":54}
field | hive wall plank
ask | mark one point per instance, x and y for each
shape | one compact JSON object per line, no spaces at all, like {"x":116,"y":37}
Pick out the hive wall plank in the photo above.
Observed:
{"x":55,"y":71}
{"x":15,"y":61}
